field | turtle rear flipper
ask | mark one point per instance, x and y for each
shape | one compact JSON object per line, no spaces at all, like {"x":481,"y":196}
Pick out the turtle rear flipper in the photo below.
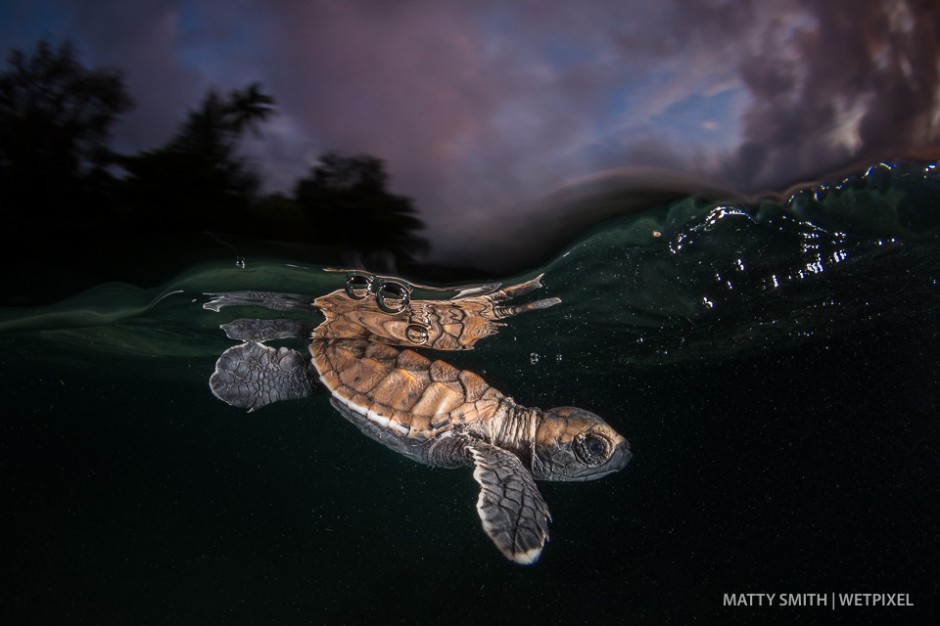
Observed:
{"x":513,"y":512}
{"x":252,"y":375}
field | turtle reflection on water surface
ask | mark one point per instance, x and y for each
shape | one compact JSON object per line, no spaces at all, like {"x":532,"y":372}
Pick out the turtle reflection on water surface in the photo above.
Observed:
{"x":427,"y":410}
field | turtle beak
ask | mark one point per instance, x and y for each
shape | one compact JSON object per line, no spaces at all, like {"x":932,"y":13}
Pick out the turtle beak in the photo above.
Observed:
{"x":620,"y":457}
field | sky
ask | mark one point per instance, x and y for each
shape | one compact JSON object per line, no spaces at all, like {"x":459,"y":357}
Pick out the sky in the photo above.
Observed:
{"x":481,"y":108}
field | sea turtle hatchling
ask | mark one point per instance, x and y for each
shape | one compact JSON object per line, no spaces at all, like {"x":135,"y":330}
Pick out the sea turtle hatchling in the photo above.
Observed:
{"x":363,"y":354}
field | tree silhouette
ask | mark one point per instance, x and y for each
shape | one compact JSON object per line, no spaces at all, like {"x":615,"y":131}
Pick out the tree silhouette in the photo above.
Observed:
{"x":89,"y":210}
{"x":198,"y":180}
{"x":351,"y":208}
{"x":55,"y":120}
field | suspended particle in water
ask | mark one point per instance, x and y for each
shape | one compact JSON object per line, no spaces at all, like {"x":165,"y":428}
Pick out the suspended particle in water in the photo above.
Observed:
{"x":534,"y":358}
{"x":240,"y":262}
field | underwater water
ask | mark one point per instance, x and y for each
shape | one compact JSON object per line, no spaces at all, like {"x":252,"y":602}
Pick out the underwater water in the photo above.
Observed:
{"x":774,"y":365}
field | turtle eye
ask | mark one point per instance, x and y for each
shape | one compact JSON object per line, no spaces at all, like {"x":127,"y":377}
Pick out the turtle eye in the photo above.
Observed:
{"x":591,"y":449}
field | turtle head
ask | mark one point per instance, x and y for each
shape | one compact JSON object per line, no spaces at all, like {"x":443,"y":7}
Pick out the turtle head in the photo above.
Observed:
{"x":574,"y":444}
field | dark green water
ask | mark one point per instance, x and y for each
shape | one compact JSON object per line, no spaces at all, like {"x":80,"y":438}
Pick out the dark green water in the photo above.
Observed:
{"x":774,"y":366}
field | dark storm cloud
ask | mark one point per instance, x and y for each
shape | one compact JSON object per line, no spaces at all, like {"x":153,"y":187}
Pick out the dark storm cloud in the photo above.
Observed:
{"x":861,"y":81}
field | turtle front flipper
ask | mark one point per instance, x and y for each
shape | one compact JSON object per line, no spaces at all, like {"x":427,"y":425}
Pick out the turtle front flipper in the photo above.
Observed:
{"x":267,"y":299}
{"x":252,"y":375}
{"x":265,"y":330}
{"x":512,"y":510}
{"x":498,"y":311}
